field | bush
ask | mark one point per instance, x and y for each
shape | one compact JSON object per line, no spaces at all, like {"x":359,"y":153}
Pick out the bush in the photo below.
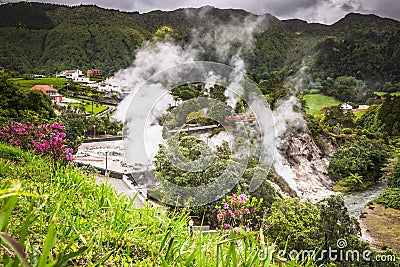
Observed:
{"x":354,"y":182}
{"x":347,"y":131}
{"x":359,"y":155}
{"x":46,"y":139}
{"x":390,"y":198}
{"x":10,"y":153}
{"x":238,"y":210}
{"x":394,"y":178}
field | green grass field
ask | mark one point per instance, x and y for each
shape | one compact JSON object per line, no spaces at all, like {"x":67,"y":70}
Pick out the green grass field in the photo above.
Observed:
{"x":317,"y":101}
{"x":97,"y":107}
{"x":358,"y":114}
{"x":57,"y":83}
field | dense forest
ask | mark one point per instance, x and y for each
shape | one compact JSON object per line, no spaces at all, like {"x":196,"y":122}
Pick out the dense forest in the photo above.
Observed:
{"x":46,"y":38}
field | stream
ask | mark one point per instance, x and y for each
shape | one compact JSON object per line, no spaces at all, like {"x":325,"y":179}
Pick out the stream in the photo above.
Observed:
{"x":356,"y":202}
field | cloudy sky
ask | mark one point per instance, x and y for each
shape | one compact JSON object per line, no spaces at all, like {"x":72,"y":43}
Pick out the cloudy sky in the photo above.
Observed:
{"x":323,"y":11}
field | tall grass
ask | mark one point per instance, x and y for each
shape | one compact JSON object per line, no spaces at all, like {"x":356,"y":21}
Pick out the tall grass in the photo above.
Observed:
{"x":63,"y":216}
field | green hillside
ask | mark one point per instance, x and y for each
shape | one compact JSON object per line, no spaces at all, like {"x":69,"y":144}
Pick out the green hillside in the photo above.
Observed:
{"x":362,"y":46}
{"x":47,"y":38}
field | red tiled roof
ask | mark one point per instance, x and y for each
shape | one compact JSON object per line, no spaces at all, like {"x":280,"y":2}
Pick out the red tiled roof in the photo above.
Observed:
{"x":43,"y":88}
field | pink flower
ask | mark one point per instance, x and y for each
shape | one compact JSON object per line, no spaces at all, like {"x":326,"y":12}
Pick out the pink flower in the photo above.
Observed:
{"x":226,"y":206}
{"x":240,"y":216}
{"x":254,"y":210}
{"x":220,"y":216}
{"x":242,"y":198}
{"x":226,"y":226}
{"x":247,"y":211}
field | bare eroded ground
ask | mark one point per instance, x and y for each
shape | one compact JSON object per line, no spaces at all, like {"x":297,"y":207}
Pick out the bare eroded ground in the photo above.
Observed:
{"x":381,"y":227}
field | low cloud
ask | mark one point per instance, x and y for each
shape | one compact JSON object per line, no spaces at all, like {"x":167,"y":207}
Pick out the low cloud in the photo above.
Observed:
{"x":323,"y":11}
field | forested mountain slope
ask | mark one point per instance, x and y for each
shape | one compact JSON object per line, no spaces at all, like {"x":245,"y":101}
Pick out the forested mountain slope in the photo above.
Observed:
{"x":37,"y":37}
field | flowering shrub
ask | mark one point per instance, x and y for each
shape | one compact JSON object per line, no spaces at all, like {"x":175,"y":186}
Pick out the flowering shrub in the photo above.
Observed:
{"x":238,"y":210}
{"x":47,"y":139}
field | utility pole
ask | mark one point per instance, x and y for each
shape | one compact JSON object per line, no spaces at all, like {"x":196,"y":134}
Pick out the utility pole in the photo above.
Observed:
{"x":106,"y":163}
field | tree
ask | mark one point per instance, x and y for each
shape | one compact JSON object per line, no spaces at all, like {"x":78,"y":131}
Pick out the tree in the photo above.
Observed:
{"x":359,"y":155}
{"x":334,"y":116}
{"x":335,"y":221}
{"x":294,"y":224}
{"x":196,"y":117}
{"x":354,"y":182}
{"x":75,"y":127}
{"x":196,"y":152}
{"x":40,"y":103}
{"x":219,"y":112}
{"x":304,"y":226}
{"x":14,"y":102}
{"x":274,"y":89}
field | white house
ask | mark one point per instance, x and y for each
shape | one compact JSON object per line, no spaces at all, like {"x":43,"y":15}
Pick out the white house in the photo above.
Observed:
{"x":70,"y":74}
{"x":74,"y":74}
{"x":81,"y":79}
{"x":363,"y":107}
{"x":346,"y":106}
{"x":110,"y":85}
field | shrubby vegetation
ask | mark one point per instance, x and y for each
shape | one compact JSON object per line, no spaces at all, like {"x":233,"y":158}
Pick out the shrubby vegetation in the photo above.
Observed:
{"x":62,"y":217}
{"x":47,"y":139}
{"x":391,"y":197}
{"x":358,"y":163}
{"x":192,"y":148}
{"x":15,"y":102}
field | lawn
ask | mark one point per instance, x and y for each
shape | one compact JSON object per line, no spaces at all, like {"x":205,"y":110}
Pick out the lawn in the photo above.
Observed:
{"x":317,"y":101}
{"x":358,"y":114}
{"x":97,"y":107}
{"x":57,"y":83}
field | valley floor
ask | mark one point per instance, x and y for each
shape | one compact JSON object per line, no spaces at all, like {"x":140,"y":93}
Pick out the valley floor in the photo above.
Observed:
{"x":381,"y":227}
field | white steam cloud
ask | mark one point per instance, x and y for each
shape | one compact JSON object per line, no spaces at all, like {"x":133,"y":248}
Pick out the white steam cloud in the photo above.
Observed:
{"x":227,"y":41}
{"x":154,"y":57}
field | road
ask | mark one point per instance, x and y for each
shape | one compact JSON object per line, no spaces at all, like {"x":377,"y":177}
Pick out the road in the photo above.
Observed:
{"x":193,"y":129}
{"x":120,"y":186}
